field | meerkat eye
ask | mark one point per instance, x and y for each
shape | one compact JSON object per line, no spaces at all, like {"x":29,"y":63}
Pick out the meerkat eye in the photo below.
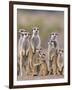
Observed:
{"x":59,"y":50}
{"x":43,"y":54}
{"x":52,"y":33}
{"x":25,"y":33}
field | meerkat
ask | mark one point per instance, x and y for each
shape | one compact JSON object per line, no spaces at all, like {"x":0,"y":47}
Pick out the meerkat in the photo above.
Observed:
{"x":43,"y":71}
{"x":35,"y":39}
{"x":23,"y":51}
{"x":19,"y":50}
{"x":21,"y":33}
{"x":26,"y":43}
{"x":60,"y":62}
{"x":33,"y":60}
{"x":52,"y":51}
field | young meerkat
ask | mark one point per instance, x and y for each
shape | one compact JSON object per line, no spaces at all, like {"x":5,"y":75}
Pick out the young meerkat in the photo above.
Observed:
{"x":43,"y":71}
{"x":34,"y":62}
{"x":60,"y":62}
{"x":35,"y":39}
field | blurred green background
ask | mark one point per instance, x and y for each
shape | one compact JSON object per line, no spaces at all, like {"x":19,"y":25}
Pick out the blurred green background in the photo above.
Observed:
{"x":47,"y":21}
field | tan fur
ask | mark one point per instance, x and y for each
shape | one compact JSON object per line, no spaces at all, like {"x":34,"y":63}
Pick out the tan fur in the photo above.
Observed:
{"x":52,"y":61}
{"x":43,"y":66}
{"x":54,"y":65}
{"x":21,"y":61}
{"x":30,"y":61}
{"x":43,"y":69}
{"x":60,"y":64}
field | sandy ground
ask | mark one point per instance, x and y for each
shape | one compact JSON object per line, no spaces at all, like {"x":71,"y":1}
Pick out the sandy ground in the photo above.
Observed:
{"x":40,"y":77}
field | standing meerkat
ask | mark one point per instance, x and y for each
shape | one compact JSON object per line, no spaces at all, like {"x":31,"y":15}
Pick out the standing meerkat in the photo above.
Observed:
{"x":52,"y":51}
{"x":52,"y":47}
{"x":26,"y":43}
{"x":24,"y":49}
{"x":35,"y":39}
{"x":60,"y":62}
{"x":21,"y":34}
{"x":19,"y":48}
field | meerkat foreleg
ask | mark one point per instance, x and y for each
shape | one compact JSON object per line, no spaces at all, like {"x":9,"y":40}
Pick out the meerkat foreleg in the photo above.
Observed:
{"x":27,"y":51}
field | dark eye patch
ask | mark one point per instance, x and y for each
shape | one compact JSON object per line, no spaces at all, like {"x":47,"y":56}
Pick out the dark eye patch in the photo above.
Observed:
{"x":52,"y":34}
{"x":59,"y":50}
{"x":37,"y":28}
{"x":25,"y":33}
{"x":44,"y":55}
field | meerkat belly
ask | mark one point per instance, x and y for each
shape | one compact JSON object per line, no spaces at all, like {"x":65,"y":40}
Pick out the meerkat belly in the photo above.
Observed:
{"x":25,"y":45}
{"x":61,"y":60}
{"x":19,"y":46}
{"x":52,"y":53}
{"x":35,"y":41}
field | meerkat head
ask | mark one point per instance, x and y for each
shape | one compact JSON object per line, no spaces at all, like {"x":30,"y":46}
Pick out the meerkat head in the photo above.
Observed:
{"x":22,"y":32}
{"x":52,"y":44}
{"x":26,"y":35}
{"x":35,"y":30}
{"x":53,"y":35}
{"x":60,"y":52}
{"x":42,"y":54}
{"x":42,"y":57}
{"x":29,"y":35}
